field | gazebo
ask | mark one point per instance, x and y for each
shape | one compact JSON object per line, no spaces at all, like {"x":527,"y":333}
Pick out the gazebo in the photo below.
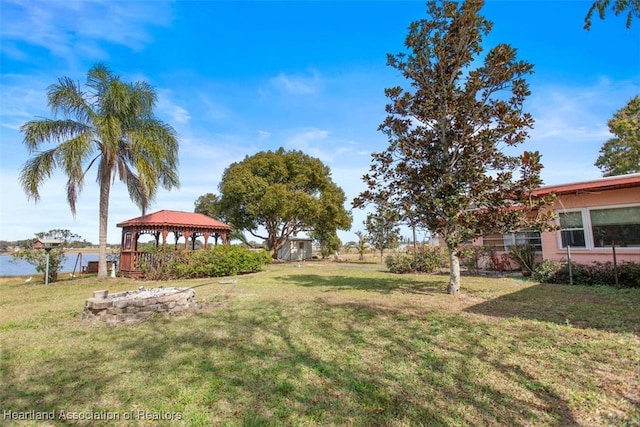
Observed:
{"x":159,"y":224}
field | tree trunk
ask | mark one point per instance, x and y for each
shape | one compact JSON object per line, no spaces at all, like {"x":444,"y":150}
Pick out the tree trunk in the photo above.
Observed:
{"x":454,"y":276}
{"x":275,"y":245}
{"x":415,"y":244}
{"x":105,"y":187}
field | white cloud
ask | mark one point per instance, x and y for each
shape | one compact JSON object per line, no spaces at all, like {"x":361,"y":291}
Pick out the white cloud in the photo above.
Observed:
{"x":169,"y":109}
{"x":12,"y":51}
{"x":22,"y":98}
{"x":302,"y":138}
{"x":313,"y":142}
{"x":176,"y":113}
{"x":571,"y":126}
{"x":298,"y":84}
{"x":64,"y":27}
{"x":180,"y":115}
{"x":212,"y":110}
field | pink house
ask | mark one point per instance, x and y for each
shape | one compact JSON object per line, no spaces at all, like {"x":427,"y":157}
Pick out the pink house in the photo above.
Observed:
{"x":592,"y":217}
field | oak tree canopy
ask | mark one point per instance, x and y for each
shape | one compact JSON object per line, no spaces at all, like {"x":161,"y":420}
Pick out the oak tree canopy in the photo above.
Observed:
{"x":276,"y":194}
{"x":621,"y":155}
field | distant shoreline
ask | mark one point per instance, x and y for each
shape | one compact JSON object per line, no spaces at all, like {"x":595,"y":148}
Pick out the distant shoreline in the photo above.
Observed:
{"x":70,"y":251}
{"x":82,"y":250}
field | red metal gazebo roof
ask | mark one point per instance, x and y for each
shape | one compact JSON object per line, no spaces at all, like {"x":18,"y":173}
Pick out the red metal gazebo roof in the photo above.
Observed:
{"x":165,"y":218}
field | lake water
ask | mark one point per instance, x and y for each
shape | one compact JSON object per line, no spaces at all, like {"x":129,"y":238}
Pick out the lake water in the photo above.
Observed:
{"x":9,"y":267}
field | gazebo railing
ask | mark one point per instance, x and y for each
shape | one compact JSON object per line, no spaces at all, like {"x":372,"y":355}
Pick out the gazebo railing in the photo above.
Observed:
{"x":131,"y":262}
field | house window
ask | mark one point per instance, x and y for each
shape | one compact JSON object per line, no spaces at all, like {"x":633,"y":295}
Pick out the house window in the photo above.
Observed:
{"x":572,"y":229}
{"x":528,"y":237}
{"x":619,"y":226}
{"x":502,"y":242}
{"x":301,"y":246}
{"x":495,"y":241}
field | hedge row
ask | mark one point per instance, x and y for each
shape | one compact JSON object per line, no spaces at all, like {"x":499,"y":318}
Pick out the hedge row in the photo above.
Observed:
{"x":597,"y":273}
{"x":169,"y":264}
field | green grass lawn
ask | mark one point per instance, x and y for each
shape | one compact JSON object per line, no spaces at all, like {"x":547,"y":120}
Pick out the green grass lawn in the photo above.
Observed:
{"x":327,"y":344}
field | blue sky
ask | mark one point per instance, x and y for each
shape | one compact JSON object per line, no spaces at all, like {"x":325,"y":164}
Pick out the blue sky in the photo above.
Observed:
{"x":235,"y":78}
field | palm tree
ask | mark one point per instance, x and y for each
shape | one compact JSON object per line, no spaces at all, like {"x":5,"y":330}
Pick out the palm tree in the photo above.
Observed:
{"x":361,"y":246}
{"x":112,"y":126}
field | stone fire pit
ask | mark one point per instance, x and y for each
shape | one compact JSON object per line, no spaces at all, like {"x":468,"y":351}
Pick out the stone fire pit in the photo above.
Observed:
{"x":135,"y":306}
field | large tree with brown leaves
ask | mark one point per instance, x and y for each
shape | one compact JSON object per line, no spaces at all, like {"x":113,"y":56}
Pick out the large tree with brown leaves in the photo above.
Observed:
{"x":449,"y":131}
{"x":630,"y":7}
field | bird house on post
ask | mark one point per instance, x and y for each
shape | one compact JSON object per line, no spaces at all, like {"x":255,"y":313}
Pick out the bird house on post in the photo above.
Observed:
{"x":47,"y":245}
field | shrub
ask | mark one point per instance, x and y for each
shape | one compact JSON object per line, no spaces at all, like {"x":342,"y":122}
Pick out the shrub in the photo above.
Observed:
{"x":38,"y":258}
{"x":224,"y":261}
{"x":428,"y":259}
{"x":163,"y":263}
{"x":399,"y":263}
{"x":525,"y":256}
{"x":629,"y":275}
{"x":594,"y":274}
{"x":425,"y":260}
{"x":473,"y":254}
{"x":546,"y":271}
{"x":168,"y":263}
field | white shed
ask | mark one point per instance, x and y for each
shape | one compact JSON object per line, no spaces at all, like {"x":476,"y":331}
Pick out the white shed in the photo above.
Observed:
{"x":296,"y":248}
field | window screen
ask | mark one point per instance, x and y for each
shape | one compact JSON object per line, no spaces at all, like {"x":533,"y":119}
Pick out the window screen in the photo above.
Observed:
{"x":572,"y":229}
{"x":619,"y":226}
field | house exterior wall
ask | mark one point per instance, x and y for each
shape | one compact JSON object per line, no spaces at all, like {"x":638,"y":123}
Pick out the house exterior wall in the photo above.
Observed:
{"x":582,"y":202}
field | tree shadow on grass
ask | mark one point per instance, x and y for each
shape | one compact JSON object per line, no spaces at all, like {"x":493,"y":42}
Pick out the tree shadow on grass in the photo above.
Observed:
{"x":60,"y":385}
{"x":267,"y":363}
{"x":354,"y":364}
{"x":386,"y":285}
{"x":613,"y":310}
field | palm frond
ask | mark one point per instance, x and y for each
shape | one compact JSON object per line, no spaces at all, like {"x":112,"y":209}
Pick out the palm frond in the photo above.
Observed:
{"x":74,"y":188}
{"x":73,"y":153}
{"x":145,"y":96}
{"x":109,"y":132}
{"x":71,"y":156}
{"x":67,"y":97}
{"x":121,"y":163}
{"x":37,"y":132}
{"x":154,"y":136}
{"x":170,"y":179}
{"x":98,"y":79}
{"x":154,"y":152}
{"x":136,"y":190}
{"x":35,"y":171}
{"x":117,"y":101}
{"x":147,"y":169}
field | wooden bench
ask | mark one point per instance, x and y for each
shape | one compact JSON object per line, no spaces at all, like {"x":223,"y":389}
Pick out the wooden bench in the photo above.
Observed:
{"x":92,"y":267}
